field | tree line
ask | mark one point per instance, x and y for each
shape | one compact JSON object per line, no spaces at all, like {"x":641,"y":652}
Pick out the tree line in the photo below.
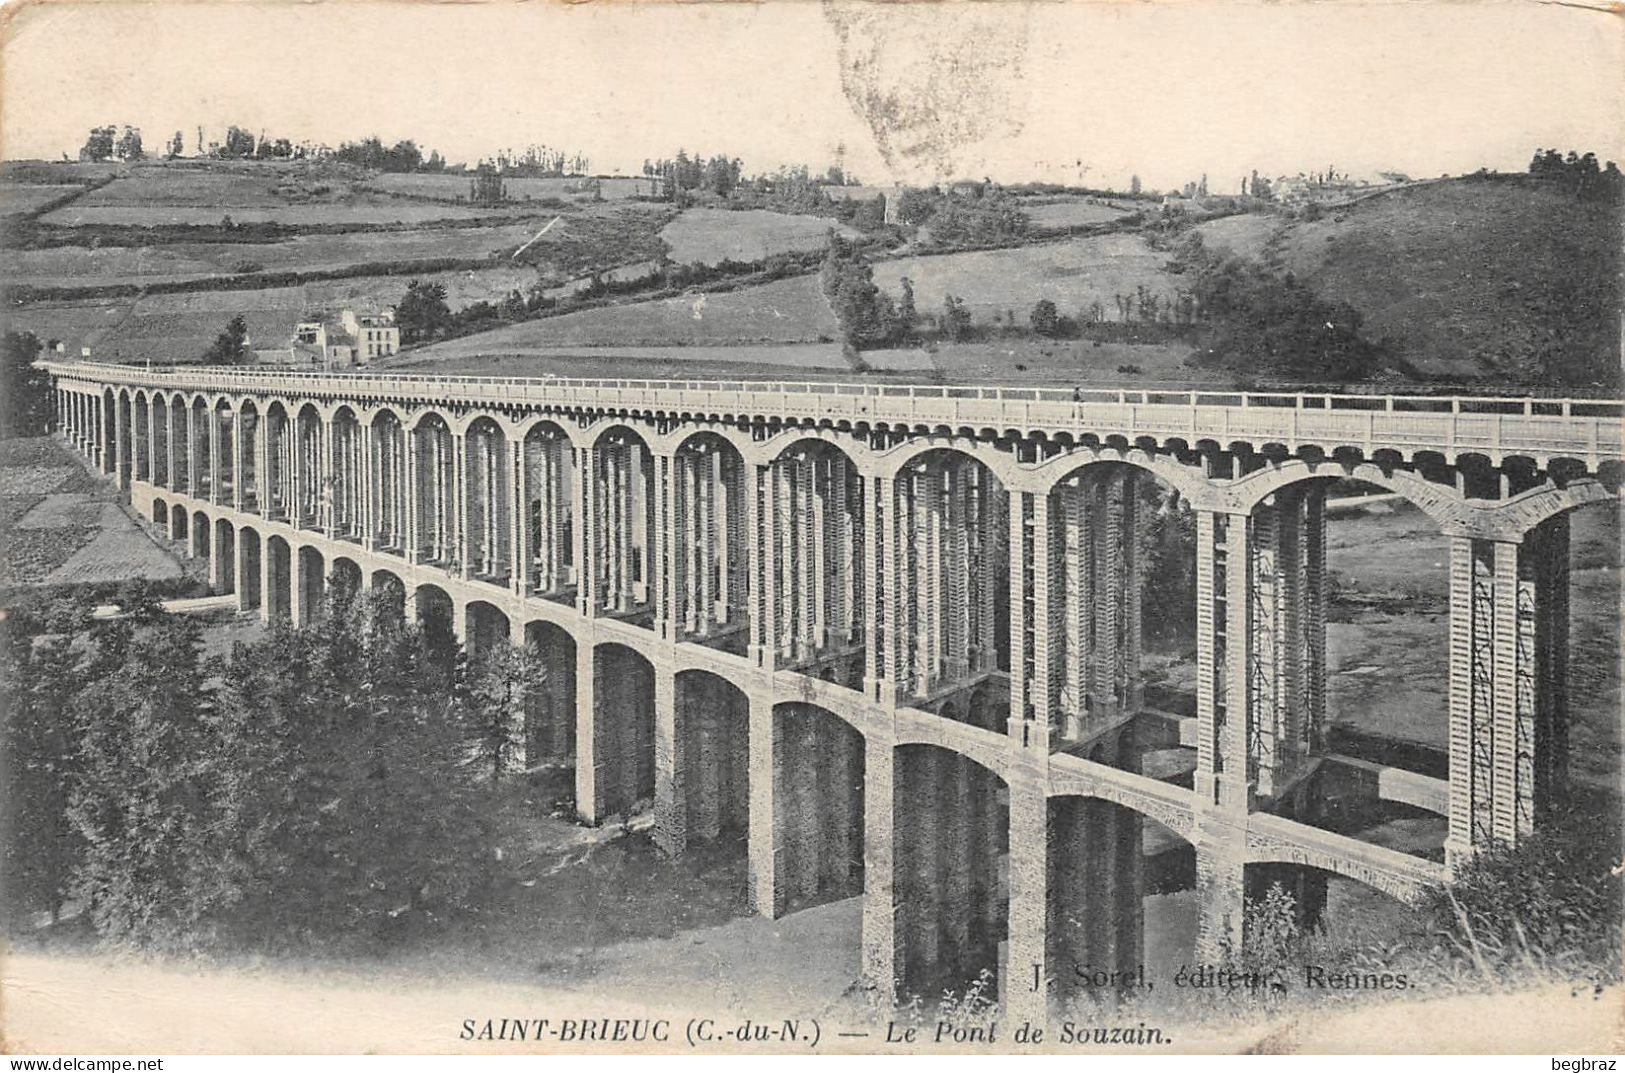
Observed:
{"x":1579,"y":174}
{"x":327,"y":784}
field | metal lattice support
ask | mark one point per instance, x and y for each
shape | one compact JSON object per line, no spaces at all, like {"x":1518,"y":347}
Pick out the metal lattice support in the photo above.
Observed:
{"x":1263,"y":699}
{"x":1525,"y":685}
{"x":1482,"y":728}
{"x":956,"y":567}
{"x":1133,"y":584}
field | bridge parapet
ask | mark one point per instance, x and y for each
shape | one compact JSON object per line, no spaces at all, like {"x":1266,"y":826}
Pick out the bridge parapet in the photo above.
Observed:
{"x":1588,"y":430}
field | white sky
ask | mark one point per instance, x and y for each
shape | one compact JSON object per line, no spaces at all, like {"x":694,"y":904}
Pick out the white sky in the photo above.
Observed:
{"x":1167,"y":90}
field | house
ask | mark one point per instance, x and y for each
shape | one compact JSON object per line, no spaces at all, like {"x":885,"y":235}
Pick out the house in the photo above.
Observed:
{"x":352,"y":339}
{"x":375,"y":334}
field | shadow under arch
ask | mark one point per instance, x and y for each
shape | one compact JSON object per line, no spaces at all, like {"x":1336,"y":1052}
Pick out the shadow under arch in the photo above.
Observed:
{"x":950,"y":830}
{"x":818,"y":807}
{"x":711,"y":765}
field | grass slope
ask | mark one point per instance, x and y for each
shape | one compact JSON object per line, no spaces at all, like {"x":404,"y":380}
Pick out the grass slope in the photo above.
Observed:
{"x":1469,"y":278}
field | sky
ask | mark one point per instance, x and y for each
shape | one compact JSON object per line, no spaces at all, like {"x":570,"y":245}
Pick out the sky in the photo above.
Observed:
{"x":1058,"y":91}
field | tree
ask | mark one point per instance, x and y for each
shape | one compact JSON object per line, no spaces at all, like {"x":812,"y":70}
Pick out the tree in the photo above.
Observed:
{"x":240,"y":144}
{"x":336,"y":732}
{"x":870,"y":214}
{"x":1134,"y":186}
{"x":230,"y":347}
{"x":153,"y":870}
{"x":504,"y":697}
{"x":914,"y":207}
{"x":907,"y":316}
{"x":1046,"y":319}
{"x":955,"y":319}
{"x":176,"y":146}
{"x":422,"y":312}
{"x":38,"y":678}
{"x":99,"y":145}
{"x":865,"y":314}
{"x":25,"y":399}
{"x":129,"y":144}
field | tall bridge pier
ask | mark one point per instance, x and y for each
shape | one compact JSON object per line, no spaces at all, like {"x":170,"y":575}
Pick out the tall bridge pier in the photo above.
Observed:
{"x":893,"y":635}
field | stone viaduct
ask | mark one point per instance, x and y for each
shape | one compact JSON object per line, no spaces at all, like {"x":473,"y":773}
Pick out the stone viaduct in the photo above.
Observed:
{"x":893,"y":634}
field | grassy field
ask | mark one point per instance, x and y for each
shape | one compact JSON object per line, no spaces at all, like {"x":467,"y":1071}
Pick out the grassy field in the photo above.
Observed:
{"x":455,"y":187}
{"x":1072,"y":274}
{"x":15,"y":198}
{"x":376,"y":209}
{"x":1071,"y":213}
{"x":1462,"y":276}
{"x":171,"y":327}
{"x":706,"y":236}
{"x":48,"y":172}
{"x":787,"y":311}
{"x":1244,"y":235}
{"x":198,"y":192}
{"x":67,"y":266}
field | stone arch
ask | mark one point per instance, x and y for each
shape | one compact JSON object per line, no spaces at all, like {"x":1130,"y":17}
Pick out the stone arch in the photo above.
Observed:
{"x":1120,"y":884}
{"x":1187,"y":480}
{"x":180,"y":446}
{"x":200,"y":446}
{"x":344,"y":575}
{"x":990,"y":749}
{"x":1123,"y":562}
{"x":1443,"y":504}
{"x":389,"y":596}
{"x":818,"y":801}
{"x":709,"y":800}
{"x":388,"y":459}
{"x":891,"y":461}
{"x":160,"y":514}
{"x":107,"y":438}
{"x":276,"y":487}
{"x":548,"y":493}
{"x":548,"y":425}
{"x":249,"y":466}
{"x":623,"y":746}
{"x":312,"y":487}
{"x":251,"y":568}
{"x":431,"y":444}
{"x":277,"y":600}
{"x":620,"y":522}
{"x":950,"y":536}
{"x":1323,"y":670}
{"x":159,"y":437}
{"x":950,"y":831}
{"x":178,"y":527}
{"x":488,"y":484}
{"x":487,"y":629}
{"x":310,"y":584}
{"x":140,"y":438}
{"x":820,"y":438}
{"x":1301,"y":865}
{"x":550,"y":737}
{"x":224,"y":571}
{"x":344,"y":489}
{"x":815,"y":498}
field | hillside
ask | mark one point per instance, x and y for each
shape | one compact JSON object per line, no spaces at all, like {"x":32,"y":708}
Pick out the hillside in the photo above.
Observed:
{"x":1472,"y":279}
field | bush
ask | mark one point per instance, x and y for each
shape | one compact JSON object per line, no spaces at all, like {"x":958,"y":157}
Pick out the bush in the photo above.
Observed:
{"x":1550,"y":904}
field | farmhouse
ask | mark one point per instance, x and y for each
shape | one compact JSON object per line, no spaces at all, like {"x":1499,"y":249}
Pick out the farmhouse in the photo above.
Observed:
{"x":353,"y":339}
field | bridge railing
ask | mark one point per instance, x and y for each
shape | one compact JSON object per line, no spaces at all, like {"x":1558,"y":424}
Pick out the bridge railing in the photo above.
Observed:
{"x":1589,"y":428}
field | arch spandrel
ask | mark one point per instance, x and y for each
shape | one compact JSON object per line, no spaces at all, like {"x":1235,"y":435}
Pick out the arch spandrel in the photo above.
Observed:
{"x":891,"y":461}
{"x":1046,"y":476}
{"x":861,"y":456}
